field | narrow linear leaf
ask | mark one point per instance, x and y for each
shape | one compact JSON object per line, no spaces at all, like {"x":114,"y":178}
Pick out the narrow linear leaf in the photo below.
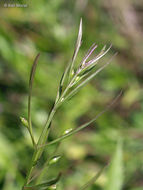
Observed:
{"x":103,"y":50}
{"x":46,"y":184}
{"x":115,"y":171}
{"x":69,"y":67}
{"x":60,"y":88}
{"x":87,"y":67}
{"x":33,"y":69}
{"x":90,"y":64}
{"x":99,"y":56}
{"x":74,"y":91}
{"x":90,"y":51}
{"x":43,"y":170}
{"x":92,"y":180}
{"x":64,"y":74}
{"x":86,"y":71}
{"x":78,"y":44}
{"x":84,"y":125}
{"x":32,"y":73}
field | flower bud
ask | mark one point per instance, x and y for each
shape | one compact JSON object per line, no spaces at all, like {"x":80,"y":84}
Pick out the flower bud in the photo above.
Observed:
{"x":54,"y":160}
{"x":52,"y":187}
{"x":67,"y":131}
{"x":24,"y":121}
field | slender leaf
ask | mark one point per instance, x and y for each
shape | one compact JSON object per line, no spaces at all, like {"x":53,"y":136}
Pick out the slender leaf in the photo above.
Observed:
{"x":78,"y":44}
{"x":44,"y":185}
{"x":30,"y":94}
{"x":115,"y":172}
{"x":75,"y":90}
{"x":90,"y":51}
{"x":90,"y":64}
{"x":84,"y":125}
{"x":85,"y":68}
{"x":69,"y":67}
{"x":60,"y":88}
{"x":44,"y":169}
{"x":99,"y":56}
{"x":32,"y":73}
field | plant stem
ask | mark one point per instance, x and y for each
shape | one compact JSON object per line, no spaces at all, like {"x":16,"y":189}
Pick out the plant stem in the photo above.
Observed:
{"x":46,"y":165}
{"x":44,"y":135}
{"x":42,"y":140}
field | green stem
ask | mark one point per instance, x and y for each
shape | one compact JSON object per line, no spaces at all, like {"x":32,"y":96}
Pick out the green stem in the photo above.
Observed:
{"x":42,"y":140}
{"x":45,"y":133}
{"x":46,"y":165}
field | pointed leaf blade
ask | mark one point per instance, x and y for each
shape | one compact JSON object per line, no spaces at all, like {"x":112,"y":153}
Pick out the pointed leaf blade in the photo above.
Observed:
{"x":115,"y":172}
{"x":77,"y":46}
{"x":44,"y":185}
{"x":71,"y":132}
{"x":74,"y":91}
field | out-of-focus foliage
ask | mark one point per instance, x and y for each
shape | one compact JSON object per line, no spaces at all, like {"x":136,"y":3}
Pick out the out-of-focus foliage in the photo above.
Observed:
{"x":50,"y":27}
{"x":115,"y":171}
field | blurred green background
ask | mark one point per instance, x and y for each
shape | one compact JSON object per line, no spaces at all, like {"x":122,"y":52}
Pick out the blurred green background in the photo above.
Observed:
{"x":50,"y":27}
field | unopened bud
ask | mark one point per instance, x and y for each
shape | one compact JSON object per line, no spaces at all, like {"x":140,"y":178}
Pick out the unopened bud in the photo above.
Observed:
{"x":24,"y":121}
{"x":52,"y":187}
{"x":67,"y":131}
{"x":77,"y":79}
{"x":72,"y":73}
{"x":62,"y":99}
{"x":54,"y":159}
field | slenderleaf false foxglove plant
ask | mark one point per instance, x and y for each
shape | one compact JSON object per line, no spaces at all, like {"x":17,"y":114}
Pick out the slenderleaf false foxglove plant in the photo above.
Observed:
{"x":71,"y":82}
